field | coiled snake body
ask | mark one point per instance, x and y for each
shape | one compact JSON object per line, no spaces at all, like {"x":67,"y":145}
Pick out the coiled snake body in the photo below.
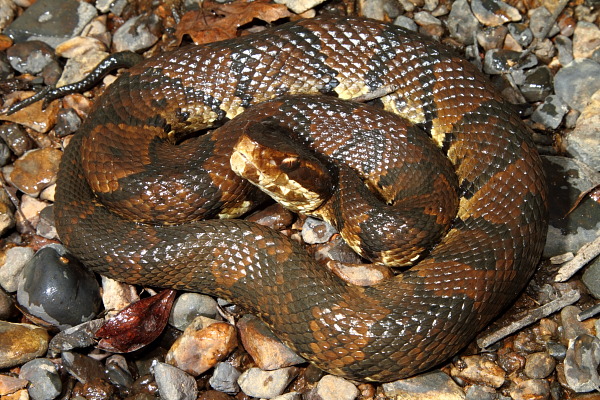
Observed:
{"x":393,"y":329}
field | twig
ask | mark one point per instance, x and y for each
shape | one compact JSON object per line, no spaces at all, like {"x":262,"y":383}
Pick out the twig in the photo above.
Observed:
{"x":585,"y":254}
{"x":531,"y":317}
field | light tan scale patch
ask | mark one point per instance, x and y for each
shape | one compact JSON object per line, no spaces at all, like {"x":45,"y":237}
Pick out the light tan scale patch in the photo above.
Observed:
{"x":229,"y":265}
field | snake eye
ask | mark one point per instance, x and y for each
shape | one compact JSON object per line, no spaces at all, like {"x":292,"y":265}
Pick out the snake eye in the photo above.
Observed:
{"x":290,"y":164}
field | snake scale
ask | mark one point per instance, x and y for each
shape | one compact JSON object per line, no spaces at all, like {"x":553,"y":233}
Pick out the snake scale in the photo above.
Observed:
{"x":393,"y":329}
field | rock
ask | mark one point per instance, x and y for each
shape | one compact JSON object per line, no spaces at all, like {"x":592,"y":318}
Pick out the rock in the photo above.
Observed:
{"x":10,"y":384}
{"x":267,"y":351}
{"x":174,"y":384}
{"x":201,"y":348}
{"x":138,"y":33}
{"x":531,"y":389}
{"x":581,"y":364}
{"x":521,"y":33}
{"x":572,"y":326}
{"x":7,"y":306}
{"x":67,"y":19}
{"x":28,"y":217}
{"x":317,"y":231}
{"x":83,"y":368}
{"x":557,"y":350}
{"x":498,"y":61}
{"x":537,"y":84}
{"x":45,"y":383}
{"x":539,"y":365}
{"x":423,"y":18}
{"x":586,"y":39}
{"x":224,"y":378}
{"x":20,"y":343}
{"x":406,"y":22}
{"x":58,"y":289}
{"x":477,"y":392}
{"x":7,"y":12}
{"x":76,"y":337}
{"x":255,"y":382}
{"x":538,"y":21}
{"x":494,"y":12}
{"x":564,"y":46}
{"x":299,"y":6}
{"x":434,"y":385}
{"x":16,"y":138}
{"x":577,"y":82}
{"x":583,"y":142}
{"x":67,"y":122}
{"x":361,"y":274}
{"x":551,"y":112}
{"x":15,"y":260}
{"x":30,"y":57}
{"x":492,"y":37}
{"x":36,"y":170}
{"x":79,"y":46}
{"x":118,"y":373}
{"x":591,"y":278}
{"x":188,"y":306}
{"x":117,"y":295}
{"x":478,"y":369}
{"x":45,"y":226}
{"x":80,"y":66}
{"x":334,"y":388}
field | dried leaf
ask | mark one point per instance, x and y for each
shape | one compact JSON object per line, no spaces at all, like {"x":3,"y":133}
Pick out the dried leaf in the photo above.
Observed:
{"x":221,"y":21}
{"x":137,"y":325}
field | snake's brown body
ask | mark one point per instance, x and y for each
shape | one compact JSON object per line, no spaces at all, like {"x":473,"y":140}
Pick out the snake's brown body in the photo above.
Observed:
{"x":394,"y":329}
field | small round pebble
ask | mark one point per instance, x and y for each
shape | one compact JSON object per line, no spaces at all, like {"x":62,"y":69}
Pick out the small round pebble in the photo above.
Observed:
{"x":478,"y":369}
{"x":334,"y":388}
{"x":188,"y":306}
{"x":538,"y":389}
{"x":539,"y":365}
{"x":30,"y":57}
{"x":45,"y":383}
{"x":255,"y":382}
{"x":58,"y":289}
{"x":224,"y":378}
{"x":20,"y":343}
{"x":15,"y":260}
{"x":174,"y":384}
{"x":433,"y":385}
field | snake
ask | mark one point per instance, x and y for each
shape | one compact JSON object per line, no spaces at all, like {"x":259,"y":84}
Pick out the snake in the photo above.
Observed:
{"x":126,"y":218}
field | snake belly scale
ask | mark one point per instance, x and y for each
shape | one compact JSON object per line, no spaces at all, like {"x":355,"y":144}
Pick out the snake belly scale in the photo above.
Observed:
{"x":106,"y":201}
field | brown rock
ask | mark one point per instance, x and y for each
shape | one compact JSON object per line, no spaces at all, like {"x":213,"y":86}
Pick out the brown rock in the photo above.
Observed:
{"x":199,"y":348}
{"x":478,"y":369}
{"x":34,"y":116}
{"x":20,"y":343}
{"x":36,"y":170}
{"x":267,"y":351}
{"x":10,"y":384}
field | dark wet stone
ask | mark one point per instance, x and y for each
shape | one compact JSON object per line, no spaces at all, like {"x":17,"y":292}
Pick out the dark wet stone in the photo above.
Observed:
{"x":581,"y":364}
{"x":44,"y":381}
{"x":591,"y":278}
{"x":572,"y":326}
{"x":188,"y":306}
{"x":20,"y":343}
{"x":491,"y":37}
{"x":58,"y":289}
{"x":30,"y":57}
{"x":461,"y":22}
{"x":539,"y":365}
{"x":83,"y":368}
{"x":537,"y":84}
{"x":67,"y":19}
{"x":494,"y":12}
{"x":174,"y":384}
{"x":521,"y":33}
{"x":551,"y":112}
{"x":556,"y":350}
{"x":16,"y":138}
{"x":77,"y":337}
{"x":36,"y":170}
{"x":564,"y":46}
{"x":538,"y":20}
{"x":7,"y":306}
{"x":499,"y":61}
{"x":119,"y":375}
{"x":577,"y":82}
{"x":138,"y":33}
{"x":67,"y":122}
{"x":5,"y":157}
{"x":45,"y":226}
{"x":224,"y":378}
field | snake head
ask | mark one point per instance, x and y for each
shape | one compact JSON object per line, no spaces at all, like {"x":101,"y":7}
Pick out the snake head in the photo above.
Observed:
{"x":267,"y":157}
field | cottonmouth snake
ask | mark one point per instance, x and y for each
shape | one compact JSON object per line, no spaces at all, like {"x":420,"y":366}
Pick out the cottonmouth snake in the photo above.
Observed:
{"x":393,"y":329}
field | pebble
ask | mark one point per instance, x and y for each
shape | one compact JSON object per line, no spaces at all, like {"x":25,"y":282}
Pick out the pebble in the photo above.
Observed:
{"x":138,"y":33}
{"x":30,"y":57}
{"x":564,"y":47}
{"x":586,"y":39}
{"x":478,"y":369}
{"x":491,"y":37}
{"x":255,"y":382}
{"x":477,"y":392}
{"x":461,"y":22}
{"x":224,"y":378}
{"x":80,"y":66}
{"x":7,"y":12}
{"x":15,"y":260}
{"x":5,"y":157}
{"x":67,"y":19}
{"x":572,"y":327}
{"x":521,"y":33}
{"x":58,"y":289}
{"x":16,"y":138}
{"x":581,"y":364}
{"x":7,"y":306}
{"x":406,"y":23}
{"x":117,"y":295}
{"x":7,"y":217}
{"x":591,"y":278}
{"x":334,"y":388}
{"x":45,"y":383}
{"x":83,"y":368}
{"x":10,"y":384}
{"x":20,"y":343}
{"x":539,"y":365}
{"x":28,"y":216}
{"x":557,"y":350}
{"x":577,"y":82}
{"x":537,"y":84}
{"x":45,"y":227}
{"x":423,"y":18}
{"x":173,"y":383}
{"x":67,"y":122}
{"x":317,"y":231}
{"x":77,"y":337}
{"x":117,"y":372}
{"x":78,"y":46}
{"x":267,"y":351}
{"x":499,"y":61}
{"x":433,"y":385}
{"x":494,"y":12}
{"x":34,"y":116}
{"x":538,"y":21}
{"x":114,"y":6}
{"x":200,"y":348}
{"x":36,"y":170}
{"x":537,"y":389}
{"x":551,"y":112}
{"x":188,"y":306}
{"x":583,"y":142}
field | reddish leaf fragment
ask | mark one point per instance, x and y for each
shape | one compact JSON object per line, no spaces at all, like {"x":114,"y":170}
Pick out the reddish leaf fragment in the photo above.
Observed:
{"x":137,"y":325}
